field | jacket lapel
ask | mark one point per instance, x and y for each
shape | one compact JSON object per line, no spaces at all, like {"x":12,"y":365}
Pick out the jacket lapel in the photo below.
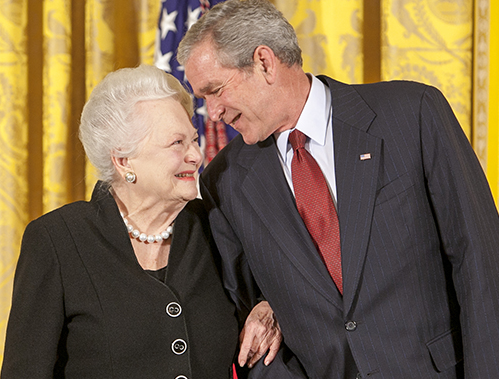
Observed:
{"x":357,"y":160}
{"x":266,"y":189}
{"x":112,"y":230}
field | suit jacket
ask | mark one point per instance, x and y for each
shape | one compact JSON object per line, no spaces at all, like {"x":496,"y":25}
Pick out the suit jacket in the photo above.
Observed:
{"x":83,"y":307}
{"x":419,"y":240}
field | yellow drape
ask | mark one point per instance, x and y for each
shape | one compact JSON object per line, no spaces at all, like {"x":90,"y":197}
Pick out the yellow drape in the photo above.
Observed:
{"x":52,"y":53}
{"x":56,"y":104}
{"x":493,"y":106}
{"x":14,"y":143}
{"x":431,"y":42}
{"x":330,"y":35}
{"x":486,"y":90}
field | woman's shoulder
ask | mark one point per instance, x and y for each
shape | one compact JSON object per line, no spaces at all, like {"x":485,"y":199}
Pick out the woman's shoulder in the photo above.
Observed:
{"x":101,"y":199}
{"x":68,"y":211}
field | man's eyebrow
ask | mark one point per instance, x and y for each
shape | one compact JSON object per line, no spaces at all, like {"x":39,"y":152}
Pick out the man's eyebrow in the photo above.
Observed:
{"x":206,"y":89}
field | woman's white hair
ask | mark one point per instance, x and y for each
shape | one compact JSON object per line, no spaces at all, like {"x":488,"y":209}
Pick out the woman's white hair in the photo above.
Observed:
{"x":110,"y":124}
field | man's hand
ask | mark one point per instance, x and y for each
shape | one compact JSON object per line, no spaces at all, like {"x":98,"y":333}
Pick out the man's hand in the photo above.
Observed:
{"x":261,"y":332}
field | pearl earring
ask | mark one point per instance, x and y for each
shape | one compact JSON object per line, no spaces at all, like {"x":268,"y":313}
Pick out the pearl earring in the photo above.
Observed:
{"x":130,"y":177}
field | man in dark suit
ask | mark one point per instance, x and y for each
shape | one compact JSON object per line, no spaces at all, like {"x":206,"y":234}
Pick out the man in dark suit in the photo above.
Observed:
{"x":417,"y":291}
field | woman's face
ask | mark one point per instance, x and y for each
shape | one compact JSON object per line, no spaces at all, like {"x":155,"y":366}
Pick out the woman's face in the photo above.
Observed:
{"x":169,"y":157}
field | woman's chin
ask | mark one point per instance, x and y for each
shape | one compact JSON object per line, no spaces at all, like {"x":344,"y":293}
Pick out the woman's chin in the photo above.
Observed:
{"x":190,"y":195}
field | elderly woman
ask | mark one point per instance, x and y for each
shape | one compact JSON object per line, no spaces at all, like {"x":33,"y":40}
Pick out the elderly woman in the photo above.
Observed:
{"x":127,"y":285}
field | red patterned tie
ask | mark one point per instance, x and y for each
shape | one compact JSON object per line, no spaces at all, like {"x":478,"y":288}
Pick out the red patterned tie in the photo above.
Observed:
{"x":316,"y":206}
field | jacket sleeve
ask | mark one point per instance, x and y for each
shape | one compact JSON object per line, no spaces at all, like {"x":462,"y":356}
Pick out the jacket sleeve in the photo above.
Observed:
{"x":37,"y":313}
{"x":239,"y":282}
{"x":468,"y":225}
{"x":237,"y":277}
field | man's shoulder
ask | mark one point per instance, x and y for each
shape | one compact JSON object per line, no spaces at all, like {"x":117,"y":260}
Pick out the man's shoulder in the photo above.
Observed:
{"x":393,"y":84}
{"x":378,"y":90}
{"x":222,"y":162}
{"x":230,"y":155}
{"x":235,"y":159}
{"x":393,"y":88}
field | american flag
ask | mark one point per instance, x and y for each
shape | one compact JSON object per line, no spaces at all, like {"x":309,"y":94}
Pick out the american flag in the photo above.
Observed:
{"x":175,"y":18}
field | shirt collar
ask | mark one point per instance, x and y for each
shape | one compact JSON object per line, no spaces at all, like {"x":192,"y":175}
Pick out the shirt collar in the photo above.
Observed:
{"x":313,"y":120}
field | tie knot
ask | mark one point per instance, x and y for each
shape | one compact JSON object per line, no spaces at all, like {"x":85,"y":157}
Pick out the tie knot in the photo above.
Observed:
{"x":297,"y":139}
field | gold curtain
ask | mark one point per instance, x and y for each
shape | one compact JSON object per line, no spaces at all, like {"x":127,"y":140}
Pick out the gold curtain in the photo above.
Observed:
{"x":52,"y":53}
{"x":13,"y":144}
{"x":330,"y":35}
{"x":431,"y":42}
{"x":486,"y":90}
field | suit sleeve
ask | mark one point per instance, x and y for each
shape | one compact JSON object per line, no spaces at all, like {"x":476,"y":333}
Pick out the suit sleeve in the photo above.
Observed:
{"x":468,"y":225}
{"x":237,"y":277}
{"x":239,"y":281}
{"x":37,"y":313}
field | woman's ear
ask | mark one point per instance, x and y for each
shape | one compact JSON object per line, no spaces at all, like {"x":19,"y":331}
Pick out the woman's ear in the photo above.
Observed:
{"x":122,"y":164}
{"x":266,"y":62}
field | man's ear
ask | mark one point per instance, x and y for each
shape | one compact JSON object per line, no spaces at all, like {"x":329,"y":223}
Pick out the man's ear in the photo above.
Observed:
{"x":265,"y":62}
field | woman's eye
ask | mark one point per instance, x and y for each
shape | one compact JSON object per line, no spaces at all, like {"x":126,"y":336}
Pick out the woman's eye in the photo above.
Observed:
{"x":196,"y":139}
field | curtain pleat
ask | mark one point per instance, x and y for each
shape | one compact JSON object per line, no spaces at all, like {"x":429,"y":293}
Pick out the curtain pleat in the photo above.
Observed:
{"x":14,"y":209}
{"x":149,"y":13}
{"x":493,"y":126}
{"x":330,"y":35}
{"x":56,"y":102}
{"x":486,"y":90}
{"x":431,"y":42}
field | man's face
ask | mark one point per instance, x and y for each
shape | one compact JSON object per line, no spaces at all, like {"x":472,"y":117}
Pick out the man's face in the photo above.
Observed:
{"x":240,"y":99}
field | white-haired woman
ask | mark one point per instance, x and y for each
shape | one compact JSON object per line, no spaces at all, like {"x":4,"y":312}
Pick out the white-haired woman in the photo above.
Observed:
{"x":127,"y":285}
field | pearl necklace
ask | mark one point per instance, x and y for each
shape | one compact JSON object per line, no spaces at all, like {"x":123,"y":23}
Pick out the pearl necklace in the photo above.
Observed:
{"x":143,"y":237}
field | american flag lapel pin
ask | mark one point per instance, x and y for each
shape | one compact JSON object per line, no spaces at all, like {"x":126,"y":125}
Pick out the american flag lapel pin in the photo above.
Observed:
{"x":364,"y":157}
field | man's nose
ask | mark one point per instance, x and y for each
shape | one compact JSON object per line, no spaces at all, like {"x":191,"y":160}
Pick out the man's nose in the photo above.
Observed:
{"x":214,"y":108}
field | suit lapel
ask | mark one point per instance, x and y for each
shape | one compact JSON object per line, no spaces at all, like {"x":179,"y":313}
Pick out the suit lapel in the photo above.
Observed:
{"x":357,"y":160}
{"x":267,"y":191}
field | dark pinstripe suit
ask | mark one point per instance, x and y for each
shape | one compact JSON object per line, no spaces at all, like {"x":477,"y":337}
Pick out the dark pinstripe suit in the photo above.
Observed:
{"x":419,"y":239}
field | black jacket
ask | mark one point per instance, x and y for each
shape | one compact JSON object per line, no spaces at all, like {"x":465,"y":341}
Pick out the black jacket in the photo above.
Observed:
{"x":84,"y":308}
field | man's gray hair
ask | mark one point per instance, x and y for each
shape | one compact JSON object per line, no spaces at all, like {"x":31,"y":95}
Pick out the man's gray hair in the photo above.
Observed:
{"x":110,"y":123}
{"x":236,"y":28}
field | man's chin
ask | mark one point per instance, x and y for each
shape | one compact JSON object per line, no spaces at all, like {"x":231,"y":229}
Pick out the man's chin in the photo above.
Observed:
{"x":253,"y":139}
{"x":249,"y":140}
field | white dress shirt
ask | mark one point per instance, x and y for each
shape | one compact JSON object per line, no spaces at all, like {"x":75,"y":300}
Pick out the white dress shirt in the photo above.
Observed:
{"x":316,"y":123}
